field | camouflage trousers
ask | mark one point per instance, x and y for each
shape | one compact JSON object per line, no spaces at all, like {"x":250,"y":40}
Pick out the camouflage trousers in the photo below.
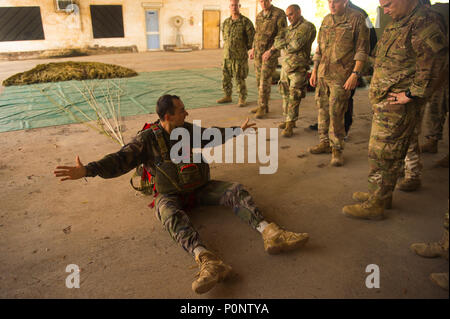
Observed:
{"x":171,"y":210}
{"x":237,"y":69}
{"x":263,"y":72}
{"x":332,"y":102}
{"x":413,"y":162}
{"x":392,"y":130}
{"x":436,"y":110}
{"x":292,"y":88}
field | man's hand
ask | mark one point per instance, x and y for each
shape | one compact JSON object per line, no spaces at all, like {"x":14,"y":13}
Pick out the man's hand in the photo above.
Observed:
{"x":71,"y":172}
{"x":251,"y":54}
{"x":398,"y":98}
{"x":351,"y":82}
{"x":247,"y":125}
{"x":266,"y":56}
{"x":313,"y":78}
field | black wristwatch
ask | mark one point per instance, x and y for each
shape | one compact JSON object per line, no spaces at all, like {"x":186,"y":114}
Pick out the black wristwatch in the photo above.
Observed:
{"x":358,"y":74}
{"x":409,"y":95}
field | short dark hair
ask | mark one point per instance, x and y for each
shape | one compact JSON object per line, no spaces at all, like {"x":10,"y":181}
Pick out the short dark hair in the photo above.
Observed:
{"x":295,"y":6}
{"x":165,"y":105}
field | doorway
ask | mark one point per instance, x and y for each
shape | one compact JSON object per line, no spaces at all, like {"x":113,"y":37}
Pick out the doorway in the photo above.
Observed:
{"x":152,"y":29}
{"x":211,"y":29}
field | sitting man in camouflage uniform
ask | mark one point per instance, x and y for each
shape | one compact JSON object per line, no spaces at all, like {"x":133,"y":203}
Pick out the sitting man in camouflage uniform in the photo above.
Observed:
{"x":238,"y":33}
{"x":409,"y":57}
{"x":296,"y":43}
{"x":180,"y":186}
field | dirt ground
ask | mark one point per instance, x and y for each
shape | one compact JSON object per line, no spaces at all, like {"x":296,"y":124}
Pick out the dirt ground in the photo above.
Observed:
{"x":106,"y":229}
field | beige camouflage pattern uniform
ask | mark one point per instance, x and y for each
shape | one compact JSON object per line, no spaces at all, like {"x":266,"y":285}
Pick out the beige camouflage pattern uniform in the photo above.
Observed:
{"x":433,"y":114}
{"x":269,"y":28}
{"x":238,"y":39}
{"x":296,"y":44}
{"x":342,"y":40}
{"x":410,"y":54}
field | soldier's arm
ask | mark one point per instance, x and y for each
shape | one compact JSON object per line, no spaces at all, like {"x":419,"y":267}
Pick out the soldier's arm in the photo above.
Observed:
{"x":128,"y":157}
{"x":250,"y":31}
{"x":431,"y":48}
{"x":281,"y":28}
{"x":362,"y":47}
{"x":224,"y":35}
{"x":305,"y":35}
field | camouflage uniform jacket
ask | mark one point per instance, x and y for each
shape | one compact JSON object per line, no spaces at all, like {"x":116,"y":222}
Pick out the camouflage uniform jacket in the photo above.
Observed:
{"x":143,"y":149}
{"x":237,"y":37}
{"x":269,"y":28}
{"x":411,"y":53}
{"x":297,"y":42}
{"x":342,"y":43}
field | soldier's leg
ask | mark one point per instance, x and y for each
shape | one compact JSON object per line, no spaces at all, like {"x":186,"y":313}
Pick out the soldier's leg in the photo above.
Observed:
{"x":348,"y":117}
{"x":265,"y":83}
{"x":240,"y":74}
{"x":392,"y":129}
{"x":322,"y":103}
{"x":338,"y":106}
{"x":283,"y":87}
{"x":434,"y":120}
{"x":227,"y":85}
{"x":413,"y":163}
{"x":230,"y":195}
{"x":169,"y":210}
{"x":235,"y":196}
{"x":257,"y":65}
{"x":297,"y":91}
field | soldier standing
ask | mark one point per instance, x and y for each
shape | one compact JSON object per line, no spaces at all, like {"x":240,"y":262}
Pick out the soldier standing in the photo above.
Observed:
{"x":297,"y":43}
{"x":409,"y":57}
{"x":343,"y":48}
{"x":270,"y":25}
{"x":183,"y":185}
{"x":434,"y":113}
{"x":238,"y":33}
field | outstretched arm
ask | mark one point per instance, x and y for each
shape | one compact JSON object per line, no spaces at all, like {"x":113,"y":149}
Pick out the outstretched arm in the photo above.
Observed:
{"x":71,"y":172}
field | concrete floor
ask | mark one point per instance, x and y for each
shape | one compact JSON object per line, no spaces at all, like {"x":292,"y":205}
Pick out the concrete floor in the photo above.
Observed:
{"x":124,"y":252}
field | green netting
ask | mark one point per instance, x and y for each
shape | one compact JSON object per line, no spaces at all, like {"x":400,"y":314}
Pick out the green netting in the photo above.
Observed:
{"x":30,"y":106}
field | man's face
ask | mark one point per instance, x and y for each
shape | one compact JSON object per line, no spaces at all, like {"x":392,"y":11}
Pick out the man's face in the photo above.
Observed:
{"x":337,"y":6}
{"x":265,"y":4}
{"x":179,"y":114}
{"x":293,"y":15}
{"x":234,"y":6}
{"x":396,"y":9}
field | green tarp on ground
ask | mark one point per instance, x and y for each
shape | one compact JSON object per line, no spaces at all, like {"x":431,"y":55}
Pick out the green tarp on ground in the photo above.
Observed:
{"x":30,"y":106}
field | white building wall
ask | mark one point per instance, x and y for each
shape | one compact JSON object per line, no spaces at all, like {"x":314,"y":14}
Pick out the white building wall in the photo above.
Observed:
{"x":74,"y":30}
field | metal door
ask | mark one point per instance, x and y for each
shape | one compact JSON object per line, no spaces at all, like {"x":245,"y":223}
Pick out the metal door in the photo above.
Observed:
{"x":152,"y":29}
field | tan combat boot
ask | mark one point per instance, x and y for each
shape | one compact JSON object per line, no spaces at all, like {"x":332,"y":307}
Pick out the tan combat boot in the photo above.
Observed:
{"x":225,"y":99}
{"x":212,"y":271}
{"x":322,"y":147}
{"x":337,"y":158}
{"x":431,"y":146}
{"x":367,"y":210}
{"x":409,"y":184}
{"x":261,"y":113}
{"x":432,"y":250}
{"x":254,"y":110}
{"x":440,"y":279}
{"x":364,"y":196}
{"x":277,"y":240}
{"x":282,"y":125}
{"x":288,"y":130}
{"x":242,"y":102}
